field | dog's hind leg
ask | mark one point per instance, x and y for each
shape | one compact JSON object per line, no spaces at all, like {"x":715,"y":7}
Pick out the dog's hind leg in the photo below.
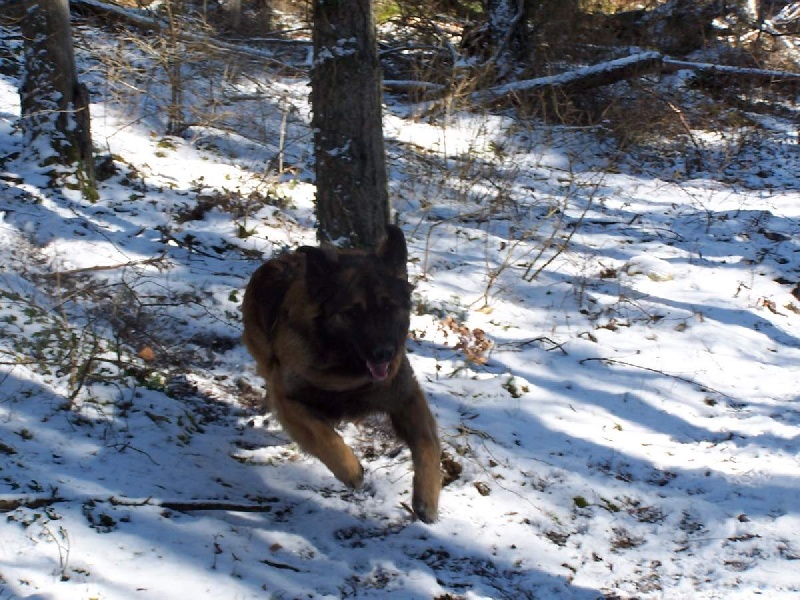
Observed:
{"x":416,"y":426}
{"x":316,"y":436}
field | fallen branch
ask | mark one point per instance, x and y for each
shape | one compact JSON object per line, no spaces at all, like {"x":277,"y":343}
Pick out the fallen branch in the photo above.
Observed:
{"x":541,"y":339}
{"x":194,"y":505}
{"x":278,"y":565}
{"x":581,"y":79}
{"x":671,"y":65}
{"x":629,"y":67}
{"x":158,"y":261}
{"x":413,"y":86}
{"x":9,"y":503}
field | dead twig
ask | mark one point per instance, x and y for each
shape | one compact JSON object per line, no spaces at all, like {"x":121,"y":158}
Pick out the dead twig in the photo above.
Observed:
{"x":541,"y":339}
{"x":158,"y":260}
{"x":690,"y":381}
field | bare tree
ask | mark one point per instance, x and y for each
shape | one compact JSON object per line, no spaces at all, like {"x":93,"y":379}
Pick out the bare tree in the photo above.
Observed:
{"x":501,"y":39}
{"x":508,"y":33}
{"x":352,"y":189}
{"x":54,"y":104}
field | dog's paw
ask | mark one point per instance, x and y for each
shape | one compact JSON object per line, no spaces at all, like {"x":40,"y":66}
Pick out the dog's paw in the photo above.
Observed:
{"x":353,"y":477}
{"x":426,"y":511}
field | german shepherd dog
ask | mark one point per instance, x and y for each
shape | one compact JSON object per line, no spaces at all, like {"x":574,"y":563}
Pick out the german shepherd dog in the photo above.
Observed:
{"x":327,"y":328}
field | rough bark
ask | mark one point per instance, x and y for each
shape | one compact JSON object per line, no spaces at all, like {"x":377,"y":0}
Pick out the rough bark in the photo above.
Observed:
{"x":352,"y":188}
{"x":54,"y":104}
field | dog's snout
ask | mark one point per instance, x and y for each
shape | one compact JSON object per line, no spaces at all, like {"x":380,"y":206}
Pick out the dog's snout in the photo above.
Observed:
{"x":383,"y":353}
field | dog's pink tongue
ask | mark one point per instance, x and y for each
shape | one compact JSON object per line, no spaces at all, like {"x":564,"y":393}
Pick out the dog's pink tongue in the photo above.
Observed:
{"x":379,"y":371}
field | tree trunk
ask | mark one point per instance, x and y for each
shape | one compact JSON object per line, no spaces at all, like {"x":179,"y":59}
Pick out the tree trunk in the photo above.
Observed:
{"x":508,"y":33}
{"x":352,"y":190}
{"x":54,"y":104}
{"x":233,"y":11}
{"x":501,"y":41}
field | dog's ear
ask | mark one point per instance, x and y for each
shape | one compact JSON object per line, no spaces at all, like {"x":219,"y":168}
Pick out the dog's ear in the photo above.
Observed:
{"x":321,"y":264}
{"x":393,"y":251}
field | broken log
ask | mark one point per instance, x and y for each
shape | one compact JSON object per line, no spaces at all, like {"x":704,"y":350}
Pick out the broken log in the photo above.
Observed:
{"x":581,"y":79}
{"x":630,"y":67}
{"x":763,"y":76}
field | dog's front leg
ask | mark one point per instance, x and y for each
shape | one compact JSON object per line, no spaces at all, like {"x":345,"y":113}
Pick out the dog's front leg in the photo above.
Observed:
{"x":416,"y":426}
{"x":318,"y":437}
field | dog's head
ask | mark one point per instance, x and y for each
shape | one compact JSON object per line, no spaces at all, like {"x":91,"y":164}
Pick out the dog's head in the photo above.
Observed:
{"x":364,"y":302}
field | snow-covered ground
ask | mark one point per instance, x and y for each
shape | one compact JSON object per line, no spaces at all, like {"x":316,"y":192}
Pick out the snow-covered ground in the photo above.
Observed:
{"x":612,"y":351}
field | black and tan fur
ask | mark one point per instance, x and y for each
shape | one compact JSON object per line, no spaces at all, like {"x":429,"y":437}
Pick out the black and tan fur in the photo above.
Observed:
{"x":327,"y":329}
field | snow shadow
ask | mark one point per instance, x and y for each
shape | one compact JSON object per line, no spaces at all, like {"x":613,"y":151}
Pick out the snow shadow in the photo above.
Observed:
{"x":110,"y":484}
